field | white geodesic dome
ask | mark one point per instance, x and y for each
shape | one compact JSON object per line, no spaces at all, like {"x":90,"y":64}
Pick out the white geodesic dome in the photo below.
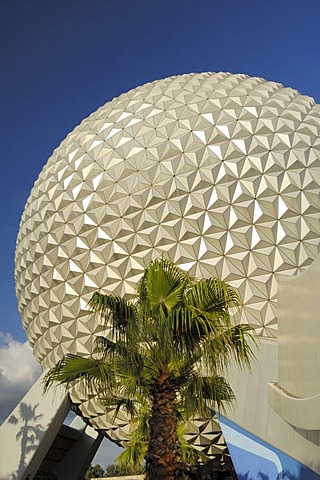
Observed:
{"x":218,"y":172}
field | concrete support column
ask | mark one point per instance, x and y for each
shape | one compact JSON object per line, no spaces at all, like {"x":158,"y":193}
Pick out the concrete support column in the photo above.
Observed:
{"x":30,"y":429}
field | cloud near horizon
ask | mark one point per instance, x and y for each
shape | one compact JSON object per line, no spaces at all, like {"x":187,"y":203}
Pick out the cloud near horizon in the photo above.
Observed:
{"x":18,"y":371}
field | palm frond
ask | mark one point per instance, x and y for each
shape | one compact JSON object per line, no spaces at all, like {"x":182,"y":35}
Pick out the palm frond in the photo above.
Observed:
{"x":103,"y":346}
{"x":205,"y":310}
{"x":186,"y":366}
{"x":95,"y":373}
{"x":233,"y":343}
{"x":191,"y":325}
{"x":243,"y":339}
{"x":164,"y":284}
{"x":212,"y":295}
{"x":129,"y":406}
{"x":204,"y":395}
{"x":217,"y":392}
{"x":136,"y":448}
{"x":116,"y":310}
{"x":131,"y":458}
{"x":190,"y":455}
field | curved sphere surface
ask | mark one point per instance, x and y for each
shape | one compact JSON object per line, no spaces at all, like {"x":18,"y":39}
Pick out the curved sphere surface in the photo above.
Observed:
{"x":219,"y":172}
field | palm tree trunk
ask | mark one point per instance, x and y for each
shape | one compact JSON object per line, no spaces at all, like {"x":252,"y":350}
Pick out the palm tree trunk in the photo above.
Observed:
{"x":163,"y":460}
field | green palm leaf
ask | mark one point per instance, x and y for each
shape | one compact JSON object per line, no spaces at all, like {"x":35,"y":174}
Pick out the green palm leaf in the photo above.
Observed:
{"x":95,"y":373}
{"x":114,"y":309}
{"x":164,"y":284}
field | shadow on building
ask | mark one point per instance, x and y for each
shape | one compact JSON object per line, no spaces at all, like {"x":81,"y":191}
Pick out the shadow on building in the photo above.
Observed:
{"x":28,"y":435}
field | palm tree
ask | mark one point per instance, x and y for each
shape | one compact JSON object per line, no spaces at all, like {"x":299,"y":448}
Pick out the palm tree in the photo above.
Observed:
{"x":169,"y":350}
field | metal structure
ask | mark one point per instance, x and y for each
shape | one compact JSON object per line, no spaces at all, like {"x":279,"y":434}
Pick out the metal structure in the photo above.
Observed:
{"x":218,"y":172}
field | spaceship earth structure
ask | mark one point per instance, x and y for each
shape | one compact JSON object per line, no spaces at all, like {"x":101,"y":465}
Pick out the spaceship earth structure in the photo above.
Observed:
{"x":219,"y":172}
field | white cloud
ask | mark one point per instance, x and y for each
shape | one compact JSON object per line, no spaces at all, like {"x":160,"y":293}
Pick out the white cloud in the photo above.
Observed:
{"x":18,"y":371}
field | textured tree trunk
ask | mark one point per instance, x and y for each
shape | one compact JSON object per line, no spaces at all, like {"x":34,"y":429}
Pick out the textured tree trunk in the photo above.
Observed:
{"x":163,"y":460}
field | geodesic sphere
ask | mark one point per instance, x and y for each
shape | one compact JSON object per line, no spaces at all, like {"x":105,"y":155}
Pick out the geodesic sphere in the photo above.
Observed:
{"x":218,"y":172}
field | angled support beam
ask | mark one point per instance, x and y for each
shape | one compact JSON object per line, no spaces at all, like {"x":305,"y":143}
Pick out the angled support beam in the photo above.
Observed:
{"x":31,"y":433}
{"x":76,"y":461}
{"x":28,"y":432}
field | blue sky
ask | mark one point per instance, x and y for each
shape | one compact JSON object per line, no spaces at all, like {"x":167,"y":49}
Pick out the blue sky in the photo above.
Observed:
{"x":62,"y":59}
